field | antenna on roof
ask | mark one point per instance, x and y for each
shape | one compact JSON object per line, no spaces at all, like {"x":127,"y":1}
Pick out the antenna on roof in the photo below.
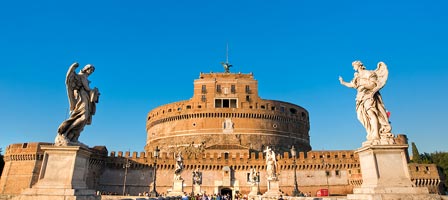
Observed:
{"x":227,"y":52}
{"x":226,"y":65}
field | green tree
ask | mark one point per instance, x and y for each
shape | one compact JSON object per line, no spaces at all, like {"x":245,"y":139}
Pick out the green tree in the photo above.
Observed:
{"x":415,"y":155}
{"x":441,"y":160}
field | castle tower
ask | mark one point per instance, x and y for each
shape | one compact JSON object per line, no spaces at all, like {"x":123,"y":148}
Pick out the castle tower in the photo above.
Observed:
{"x":226,"y":112}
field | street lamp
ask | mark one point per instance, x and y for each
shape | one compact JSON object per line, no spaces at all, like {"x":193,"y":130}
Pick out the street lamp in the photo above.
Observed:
{"x":125,"y":166}
{"x":294,"y":155}
{"x":327,"y":173}
{"x":192,"y":183}
{"x":258,"y":182}
{"x":153,"y":193}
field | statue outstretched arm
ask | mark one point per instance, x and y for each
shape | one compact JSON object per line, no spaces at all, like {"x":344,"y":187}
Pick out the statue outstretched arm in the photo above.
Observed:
{"x":346,"y":84}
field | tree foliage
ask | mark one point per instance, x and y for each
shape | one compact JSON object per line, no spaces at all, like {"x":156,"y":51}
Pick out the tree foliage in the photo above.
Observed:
{"x":415,"y":153}
{"x":438,"y":158}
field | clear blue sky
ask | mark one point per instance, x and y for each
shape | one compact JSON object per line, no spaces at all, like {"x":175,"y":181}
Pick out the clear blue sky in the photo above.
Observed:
{"x":147,"y":53}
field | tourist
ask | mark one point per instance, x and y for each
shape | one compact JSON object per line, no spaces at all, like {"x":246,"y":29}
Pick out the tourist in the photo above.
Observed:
{"x":184,"y":197}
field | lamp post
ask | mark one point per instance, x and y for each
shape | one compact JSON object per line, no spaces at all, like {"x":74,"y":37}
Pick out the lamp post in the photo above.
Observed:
{"x":258,"y":182}
{"x":153,"y":193}
{"x":327,"y":173}
{"x":294,"y":155}
{"x":192,"y":183}
{"x":125,"y":166}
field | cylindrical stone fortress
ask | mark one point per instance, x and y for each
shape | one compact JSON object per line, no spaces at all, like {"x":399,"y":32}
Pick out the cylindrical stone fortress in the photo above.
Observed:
{"x":226,"y":110}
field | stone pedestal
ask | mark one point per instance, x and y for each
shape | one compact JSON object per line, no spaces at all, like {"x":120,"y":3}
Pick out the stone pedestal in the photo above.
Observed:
{"x":62,"y":176}
{"x":178,"y":188}
{"x":254,"y":191}
{"x":196,"y":189}
{"x":385,"y":174}
{"x":273,"y":189}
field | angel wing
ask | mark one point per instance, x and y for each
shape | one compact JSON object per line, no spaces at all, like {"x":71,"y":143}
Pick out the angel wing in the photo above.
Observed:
{"x":71,"y":82}
{"x":382,"y":73}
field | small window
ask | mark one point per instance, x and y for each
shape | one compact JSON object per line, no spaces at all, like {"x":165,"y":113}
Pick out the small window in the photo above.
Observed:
{"x":188,"y":107}
{"x":293,"y":111}
{"x":232,"y":89}
{"x":203,"y":99}
{"x":303,"y":115}
{"x":225,"y":103}
{"x":233,"y":103}
{"x":247,"y":89}
{"x":247,"y":98}
{"x":218,"y":103}
{"x":204,"y":89}
{"x":273,"y":108}
{"x":218,"y":88}
{"x":327,"y":173}
{"x":337,"y":173}
{"x":262,"y":107}
{"x":282,"y":109}
{"x":199,"y":106}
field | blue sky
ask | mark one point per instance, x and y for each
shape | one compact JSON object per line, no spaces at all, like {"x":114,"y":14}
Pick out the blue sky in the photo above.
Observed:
{"x":147,"y":53}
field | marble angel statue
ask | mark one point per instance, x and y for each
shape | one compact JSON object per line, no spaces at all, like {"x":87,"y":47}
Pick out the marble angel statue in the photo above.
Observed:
{"x":82,"y":100}
{"x":179,"y":166}
{"x":271,"y":164}
{"x":370,"y":108}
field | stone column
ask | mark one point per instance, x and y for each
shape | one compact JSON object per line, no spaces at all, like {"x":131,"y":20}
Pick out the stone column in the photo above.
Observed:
{"x":63,"y":175}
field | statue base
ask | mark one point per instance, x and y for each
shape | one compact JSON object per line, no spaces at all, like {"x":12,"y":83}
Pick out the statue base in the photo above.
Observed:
{"x":254,"y":191}
{"x":385,"y":175}
{"x":62,"y":176}
{"x":178,"y":188}
{"x":197,"y":189}
{"x":273,"y":189}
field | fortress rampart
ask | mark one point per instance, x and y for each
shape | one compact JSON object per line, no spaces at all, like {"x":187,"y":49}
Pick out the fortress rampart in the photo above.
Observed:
{"x":338,"y":170}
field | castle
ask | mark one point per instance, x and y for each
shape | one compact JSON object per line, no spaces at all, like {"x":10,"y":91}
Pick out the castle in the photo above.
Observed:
{"x":221,"y":133}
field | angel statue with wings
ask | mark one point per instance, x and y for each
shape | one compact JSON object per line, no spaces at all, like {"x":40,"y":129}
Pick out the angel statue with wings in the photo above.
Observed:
{"x":82,"y":100}
{"x":271,"y":164}
{"x":369,"y":104}
{"x":179,"y":166}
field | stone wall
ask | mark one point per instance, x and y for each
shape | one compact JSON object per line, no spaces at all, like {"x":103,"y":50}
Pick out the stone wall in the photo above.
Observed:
{"x":22,"y":166}
{"x":336,"y":170}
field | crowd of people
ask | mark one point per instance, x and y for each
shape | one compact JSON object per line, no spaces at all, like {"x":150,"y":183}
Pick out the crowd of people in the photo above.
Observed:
{"x":204,"y":196}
